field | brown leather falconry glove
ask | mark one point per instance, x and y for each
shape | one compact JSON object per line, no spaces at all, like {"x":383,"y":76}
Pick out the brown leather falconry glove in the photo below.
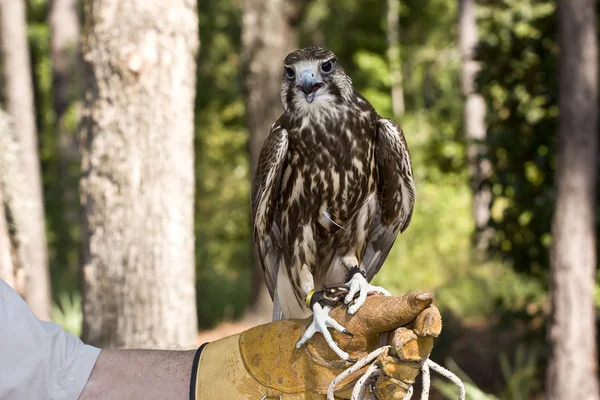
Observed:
{"x":263,"y":362}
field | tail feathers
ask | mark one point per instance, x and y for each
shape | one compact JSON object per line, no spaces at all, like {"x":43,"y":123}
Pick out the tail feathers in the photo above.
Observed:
{"x":277,"y":313}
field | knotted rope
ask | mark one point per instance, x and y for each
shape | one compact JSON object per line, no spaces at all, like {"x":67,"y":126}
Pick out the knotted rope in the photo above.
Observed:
{"x":361,"y":385}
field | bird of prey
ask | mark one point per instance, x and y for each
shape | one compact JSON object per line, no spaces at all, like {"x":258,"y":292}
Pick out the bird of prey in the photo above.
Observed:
{"x":333,"y":188}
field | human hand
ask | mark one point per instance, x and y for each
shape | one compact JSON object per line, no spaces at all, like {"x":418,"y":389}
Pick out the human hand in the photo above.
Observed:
{"x":263,"y":361}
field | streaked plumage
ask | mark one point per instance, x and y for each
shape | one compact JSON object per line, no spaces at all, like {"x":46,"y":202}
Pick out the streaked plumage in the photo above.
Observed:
{"x":333,"y":185}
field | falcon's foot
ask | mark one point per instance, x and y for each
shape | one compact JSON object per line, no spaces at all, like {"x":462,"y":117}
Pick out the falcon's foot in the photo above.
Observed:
{"x":358,"y":284}
{"x":321,"y":321}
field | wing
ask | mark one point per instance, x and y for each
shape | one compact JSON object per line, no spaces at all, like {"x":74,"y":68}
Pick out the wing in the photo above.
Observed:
{"x":396,"y":194}
{"x":265,"y":191}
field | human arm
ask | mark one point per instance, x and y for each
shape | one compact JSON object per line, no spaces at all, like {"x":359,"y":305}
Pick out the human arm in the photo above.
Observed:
{"x":264,"y":360}
{"x":38,"y":359}
{"x":140,"y":374}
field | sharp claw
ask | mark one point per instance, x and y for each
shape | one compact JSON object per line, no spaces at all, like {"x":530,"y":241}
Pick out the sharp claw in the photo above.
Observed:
{"x":347,"y":332}
{"x":301,"y":342}
{"x":350,"y":296}
{"x":358,"y":284}
{"x":352,"y":360}
{"x":320,"y":323}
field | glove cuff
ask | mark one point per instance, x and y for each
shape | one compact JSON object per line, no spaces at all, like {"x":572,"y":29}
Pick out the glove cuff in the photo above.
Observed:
{"x":220,"y":373}
{"x":194,"y":373}
{"x":256,"y":363}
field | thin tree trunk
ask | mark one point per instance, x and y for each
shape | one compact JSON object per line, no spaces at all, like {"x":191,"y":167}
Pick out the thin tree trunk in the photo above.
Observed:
{"x":269,"y":33}
{"x":475,"y":128}
{"x":19,"y":102}
{"x":63,"y":20}
{"x":15,"y":206}
{"x":137,"y":188}
{"x":7,"y":267}
{"x":573,"y":369}
{"x":393,"y":37}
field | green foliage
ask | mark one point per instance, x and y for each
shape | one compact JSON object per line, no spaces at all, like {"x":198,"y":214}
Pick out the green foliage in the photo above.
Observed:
{"x":491,"y":289}
{"x":62,"y":236}
{"x":449,"y":391}
{"x":440,"y":249}
{"x":355,"y":31}
{"x":374,"y":73}
{"x":518,"y":80}
{"x":223,"y":240}
{"x":518,"y":54}
{"x":67,"y":312}
{"x":520,"y":379}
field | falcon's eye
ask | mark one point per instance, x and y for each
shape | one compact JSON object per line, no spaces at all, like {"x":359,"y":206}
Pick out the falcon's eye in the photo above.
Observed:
{"x":289,"y":73}
{"x":327,"y":67}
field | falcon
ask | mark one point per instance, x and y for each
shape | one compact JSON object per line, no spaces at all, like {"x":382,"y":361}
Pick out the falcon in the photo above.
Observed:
{"x":332,"y":189}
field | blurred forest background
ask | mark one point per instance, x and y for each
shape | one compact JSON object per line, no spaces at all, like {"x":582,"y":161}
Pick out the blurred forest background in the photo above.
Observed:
{"x":474,"y":84}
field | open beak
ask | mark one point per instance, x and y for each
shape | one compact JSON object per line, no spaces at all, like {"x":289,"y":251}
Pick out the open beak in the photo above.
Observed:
{"x":309,"y":85}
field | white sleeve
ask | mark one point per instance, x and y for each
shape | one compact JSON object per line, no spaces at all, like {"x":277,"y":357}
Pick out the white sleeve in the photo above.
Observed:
{"x":38,"y":359}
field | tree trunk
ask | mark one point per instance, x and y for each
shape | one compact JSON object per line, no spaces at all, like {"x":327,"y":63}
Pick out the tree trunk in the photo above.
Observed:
{"x":15,"y":207}
{"x":19,"y":102}
{"x":475,"y":128}
{"x":269,"y":33}
{"x":572,"y":369}
{"x":7,"y":267}
{"x":137,"y":188}
{"x":393,"y":37}
{"x":63,"y":20}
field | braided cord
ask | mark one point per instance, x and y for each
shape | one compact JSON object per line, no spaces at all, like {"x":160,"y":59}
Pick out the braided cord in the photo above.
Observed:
{"x":360,"y":387}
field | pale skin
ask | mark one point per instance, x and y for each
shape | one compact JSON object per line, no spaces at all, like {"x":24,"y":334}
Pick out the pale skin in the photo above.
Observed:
{"x":140,"y":374}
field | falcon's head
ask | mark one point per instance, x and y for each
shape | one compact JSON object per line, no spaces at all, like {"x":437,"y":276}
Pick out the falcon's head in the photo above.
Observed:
{"x":313,"y":80}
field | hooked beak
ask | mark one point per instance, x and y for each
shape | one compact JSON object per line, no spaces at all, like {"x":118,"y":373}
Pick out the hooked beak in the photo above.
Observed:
{"x":309,"y":85}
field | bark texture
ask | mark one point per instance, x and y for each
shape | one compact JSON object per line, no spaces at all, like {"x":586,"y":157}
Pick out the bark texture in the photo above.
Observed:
{"x":269,"y":33}
{"x":572,"y":370}
{"x":14,"y":208}
{"x":393,"y":37}
{"x":7,"y":266}
{"x":19,"y":102}
{"x":137,"y":188}
{"x":480,"y":169}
